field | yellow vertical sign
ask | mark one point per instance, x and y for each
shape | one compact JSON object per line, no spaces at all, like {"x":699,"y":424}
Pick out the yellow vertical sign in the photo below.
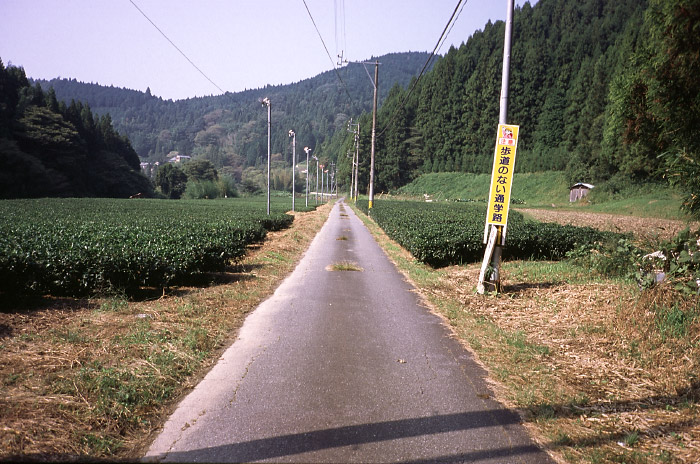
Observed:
{"x":501,"y":178}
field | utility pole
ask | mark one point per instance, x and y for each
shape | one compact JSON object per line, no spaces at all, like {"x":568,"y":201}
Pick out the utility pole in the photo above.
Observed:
{"x":375,"y":84}
{"x":334,"y":179}
{"x":266,"y":101}
{"x":307,"y":150}
{"x":352,"y":172}
{"x":316,"y":158}
{"x":374,"y":131}
{"x":494,"y":281}
{"x":355,"y":158}
{"x":294,"y":161}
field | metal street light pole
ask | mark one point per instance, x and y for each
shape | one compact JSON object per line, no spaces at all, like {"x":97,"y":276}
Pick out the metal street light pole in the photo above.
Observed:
{"x":294,"y":162}
{"x":307,"y":150}
{"x":266,"y":101}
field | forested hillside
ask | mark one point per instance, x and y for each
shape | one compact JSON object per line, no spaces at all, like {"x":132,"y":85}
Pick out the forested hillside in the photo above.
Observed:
{"x":600,"y":89}
{"x":50,"y":148}
{"x":231,"y":129}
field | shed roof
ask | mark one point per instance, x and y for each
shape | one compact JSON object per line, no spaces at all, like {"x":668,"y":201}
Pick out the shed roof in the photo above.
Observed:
{"x":581,"y":184}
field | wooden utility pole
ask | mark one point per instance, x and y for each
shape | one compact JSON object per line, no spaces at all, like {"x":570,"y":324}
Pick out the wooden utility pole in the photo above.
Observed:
{"x":266,"y":101}
{"x":355,"y":129}
{"x":357,"y":159}
{"x":374,"y":131}
{"x":293,"y":135}
{"x":307,"y":150}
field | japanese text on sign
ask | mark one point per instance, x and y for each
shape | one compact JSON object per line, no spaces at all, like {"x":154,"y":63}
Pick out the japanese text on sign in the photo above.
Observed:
{"x":502,"y":177}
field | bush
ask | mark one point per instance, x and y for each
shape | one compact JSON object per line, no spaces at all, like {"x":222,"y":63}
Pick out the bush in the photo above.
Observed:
{"x":441,"y":234}
{"x":201,"y":190}
{"x":77,"y":246}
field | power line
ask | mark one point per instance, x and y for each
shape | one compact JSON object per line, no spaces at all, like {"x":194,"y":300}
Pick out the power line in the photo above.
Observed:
{"x":176,"y":47}
{"x":340,"y":36}
{"x":326,"y":48}
{"x":451,"y":26}
{"x":437,"y":45}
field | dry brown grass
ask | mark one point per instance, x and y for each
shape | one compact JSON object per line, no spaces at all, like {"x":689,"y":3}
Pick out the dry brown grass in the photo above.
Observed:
{"x":644,"y":228}
{"x":97,"y":377}
{"x":593,"y":369}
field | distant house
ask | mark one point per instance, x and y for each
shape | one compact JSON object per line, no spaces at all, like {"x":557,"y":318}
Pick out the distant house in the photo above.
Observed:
{"x":175,"y":157}
{"x":578,"y":191}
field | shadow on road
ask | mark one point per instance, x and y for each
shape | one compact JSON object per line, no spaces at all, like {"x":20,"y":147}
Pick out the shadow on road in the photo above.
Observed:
{"x":293,"y":444}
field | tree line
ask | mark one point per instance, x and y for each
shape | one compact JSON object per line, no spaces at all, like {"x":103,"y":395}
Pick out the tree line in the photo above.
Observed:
{"x":230,"y":130}
{"x":50,"y":148}
{"x":605,"y":90}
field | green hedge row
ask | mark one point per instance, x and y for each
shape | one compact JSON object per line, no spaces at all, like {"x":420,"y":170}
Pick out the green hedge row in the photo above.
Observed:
{"x":441,"y":234}
{"x":75,"y":246}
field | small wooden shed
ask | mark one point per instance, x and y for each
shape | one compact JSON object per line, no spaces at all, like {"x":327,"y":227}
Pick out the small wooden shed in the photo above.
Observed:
{"x":578,"y":191}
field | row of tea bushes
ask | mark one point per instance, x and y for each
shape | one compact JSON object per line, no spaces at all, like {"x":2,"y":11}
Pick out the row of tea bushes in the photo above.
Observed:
{"x":76,"y":246}
{"x":447,"y":233}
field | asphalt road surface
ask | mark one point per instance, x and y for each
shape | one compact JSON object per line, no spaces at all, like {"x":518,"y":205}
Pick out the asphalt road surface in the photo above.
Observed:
{"x":344,"y":366}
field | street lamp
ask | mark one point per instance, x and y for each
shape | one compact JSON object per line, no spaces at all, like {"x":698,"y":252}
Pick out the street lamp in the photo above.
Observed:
{"x":266,"y":102}
{"x":294,"y":161}
{"x":307,"y":150}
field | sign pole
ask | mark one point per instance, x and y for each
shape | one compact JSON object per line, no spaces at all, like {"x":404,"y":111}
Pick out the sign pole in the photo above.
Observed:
{"x":494,"y":280}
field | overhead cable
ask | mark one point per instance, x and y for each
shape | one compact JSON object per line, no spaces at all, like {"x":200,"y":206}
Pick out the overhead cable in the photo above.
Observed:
{"x":176,"y":47}
{"x":437,"y":45}
{"x":451,"y":26}
{"x":326,"y":48}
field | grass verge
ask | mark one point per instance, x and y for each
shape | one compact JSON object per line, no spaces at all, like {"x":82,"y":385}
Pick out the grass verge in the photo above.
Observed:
{"x":345,"y":266}
{"x":600,"y":372}
{"x":97,"y":377}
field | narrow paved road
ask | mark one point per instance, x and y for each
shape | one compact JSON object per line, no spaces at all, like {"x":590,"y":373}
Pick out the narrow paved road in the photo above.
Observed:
{"x":344,"y":366}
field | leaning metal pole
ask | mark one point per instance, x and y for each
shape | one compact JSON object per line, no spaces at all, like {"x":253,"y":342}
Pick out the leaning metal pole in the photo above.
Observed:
{"x":494,"y":281}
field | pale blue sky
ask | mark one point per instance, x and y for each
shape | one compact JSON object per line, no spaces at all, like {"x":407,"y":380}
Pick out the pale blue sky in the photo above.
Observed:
{"x":238,"y":44}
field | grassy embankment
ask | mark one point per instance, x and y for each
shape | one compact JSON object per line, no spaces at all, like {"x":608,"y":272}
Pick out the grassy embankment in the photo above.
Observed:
{"x":548,"y":190}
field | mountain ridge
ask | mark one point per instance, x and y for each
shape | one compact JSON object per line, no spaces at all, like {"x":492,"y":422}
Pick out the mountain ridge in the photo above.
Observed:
{"x":230,"y":129}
